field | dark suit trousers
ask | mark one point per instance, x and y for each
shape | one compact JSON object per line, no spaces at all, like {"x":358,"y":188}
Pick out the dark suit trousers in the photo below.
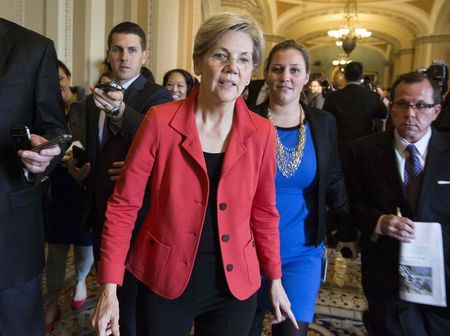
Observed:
{"x":22,"y":309}
{"x":400,"y":318}
{"x":206,"y":300}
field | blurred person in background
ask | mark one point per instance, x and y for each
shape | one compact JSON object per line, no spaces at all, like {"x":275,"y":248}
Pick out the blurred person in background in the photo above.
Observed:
{"x":179,"y":82}
{"x":314,"y":96}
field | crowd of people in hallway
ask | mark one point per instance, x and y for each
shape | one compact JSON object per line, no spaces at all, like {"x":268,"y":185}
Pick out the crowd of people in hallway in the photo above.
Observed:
{"x":208,"y":200}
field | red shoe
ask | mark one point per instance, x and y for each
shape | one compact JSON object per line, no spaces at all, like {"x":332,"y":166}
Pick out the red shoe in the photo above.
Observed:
{"x":78,"y":304}
{"x":51,"y":325}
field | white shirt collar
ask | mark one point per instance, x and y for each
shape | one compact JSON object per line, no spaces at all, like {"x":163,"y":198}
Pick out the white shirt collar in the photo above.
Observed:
{"x":421,"y":144}
{"x":128,"y":83}
{"x":355,"y":83}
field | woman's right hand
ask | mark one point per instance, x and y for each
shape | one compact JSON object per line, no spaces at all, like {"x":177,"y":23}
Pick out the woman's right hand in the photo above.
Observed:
{"x":106,"y":316}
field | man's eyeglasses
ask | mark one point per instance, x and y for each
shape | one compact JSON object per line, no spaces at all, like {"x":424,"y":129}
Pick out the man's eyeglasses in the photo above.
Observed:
{"x":419,"y":107}
{"x":242,"y":62}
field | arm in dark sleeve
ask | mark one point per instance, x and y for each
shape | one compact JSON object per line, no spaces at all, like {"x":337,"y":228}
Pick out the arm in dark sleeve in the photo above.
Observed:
{"x":48,"y":117}
{"x":381,"y":110}
{"x":364,"y":215}
{"x":328,"y":104}
{"x":133,"y":118}
{"x":336,"y":194}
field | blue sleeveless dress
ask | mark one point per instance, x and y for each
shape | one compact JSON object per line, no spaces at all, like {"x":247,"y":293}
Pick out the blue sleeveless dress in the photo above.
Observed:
{"x":301,"y":260}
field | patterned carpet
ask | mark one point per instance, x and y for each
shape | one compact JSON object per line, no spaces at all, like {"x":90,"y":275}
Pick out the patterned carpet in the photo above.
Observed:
{"x":338,"y":312}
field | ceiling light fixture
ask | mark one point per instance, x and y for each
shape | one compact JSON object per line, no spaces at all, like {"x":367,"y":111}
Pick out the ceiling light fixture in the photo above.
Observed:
{"x":347,"y":35}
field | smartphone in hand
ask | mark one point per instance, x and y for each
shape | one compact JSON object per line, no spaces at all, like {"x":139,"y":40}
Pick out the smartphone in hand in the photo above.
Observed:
{"x":60,"y":139}
{"x":109,"y":86}
{"x":20,"y":137}
{"x":80,"y":155}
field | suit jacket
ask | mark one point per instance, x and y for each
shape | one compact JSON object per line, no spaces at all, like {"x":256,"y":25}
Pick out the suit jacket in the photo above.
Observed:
{"x":138,"y":98}
{"x":330,"y":194}
{"x":167,"y":151}
{"x":254,"y":87}
{"x":29,"y":95}
{"x":354,"y":108}
{"x":316,"y":100}
{"x":377,"y":189}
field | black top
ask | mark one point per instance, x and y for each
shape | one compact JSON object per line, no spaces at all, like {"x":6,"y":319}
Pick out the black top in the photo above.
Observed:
{"x":209,"y":242}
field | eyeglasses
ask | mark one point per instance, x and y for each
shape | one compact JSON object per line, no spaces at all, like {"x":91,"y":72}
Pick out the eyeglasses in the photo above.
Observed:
{"x":418,"y":107}
{"x":242,"y":62}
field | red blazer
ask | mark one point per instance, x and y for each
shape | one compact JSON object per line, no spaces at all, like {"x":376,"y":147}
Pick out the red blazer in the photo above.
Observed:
{"x":167,"y":154}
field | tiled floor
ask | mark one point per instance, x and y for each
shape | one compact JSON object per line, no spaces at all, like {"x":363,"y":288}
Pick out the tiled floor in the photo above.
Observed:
{"x":338,"y":312}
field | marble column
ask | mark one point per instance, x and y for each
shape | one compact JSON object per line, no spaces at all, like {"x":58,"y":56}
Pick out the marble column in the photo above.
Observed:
{"x":403,"y":61}
{"x":431,"y":47}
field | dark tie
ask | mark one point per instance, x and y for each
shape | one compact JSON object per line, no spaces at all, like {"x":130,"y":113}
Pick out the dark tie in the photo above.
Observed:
{"x":106,"y":134}
{"x":412,"y":177}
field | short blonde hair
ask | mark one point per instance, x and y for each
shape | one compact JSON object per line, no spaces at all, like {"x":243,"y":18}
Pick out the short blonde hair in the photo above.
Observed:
{"x":214,"y":27}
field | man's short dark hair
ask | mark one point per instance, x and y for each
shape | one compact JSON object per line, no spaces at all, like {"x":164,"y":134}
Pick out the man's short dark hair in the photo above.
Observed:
{"x":353,"y":71}
{"x":417,"y":77}
{"x":128,"y":28}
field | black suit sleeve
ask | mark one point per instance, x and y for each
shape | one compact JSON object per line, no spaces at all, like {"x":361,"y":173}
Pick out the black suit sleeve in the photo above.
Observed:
{"x":132,"y":118}
{"x":336,"y":194}
{"x":328,"y":104}
{"x":380,"y":111}
{"x":48,"y":119}
{"x":364,"y":214}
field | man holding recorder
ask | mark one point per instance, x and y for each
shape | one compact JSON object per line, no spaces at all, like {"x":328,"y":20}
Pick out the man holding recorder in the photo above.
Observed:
{"x":30,"y":96}
{"x":114,"y":113}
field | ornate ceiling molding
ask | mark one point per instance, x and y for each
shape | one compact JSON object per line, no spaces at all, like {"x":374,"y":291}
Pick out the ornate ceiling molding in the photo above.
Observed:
{"x":273,"y":38}
{"x":252,"y":7}
{"x":441,"y":38}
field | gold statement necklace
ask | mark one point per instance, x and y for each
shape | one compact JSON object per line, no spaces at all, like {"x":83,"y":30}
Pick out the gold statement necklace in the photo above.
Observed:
{"x":289,"y":158}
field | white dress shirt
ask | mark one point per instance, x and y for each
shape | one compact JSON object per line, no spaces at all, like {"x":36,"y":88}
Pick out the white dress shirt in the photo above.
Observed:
{"x":401,"y":154}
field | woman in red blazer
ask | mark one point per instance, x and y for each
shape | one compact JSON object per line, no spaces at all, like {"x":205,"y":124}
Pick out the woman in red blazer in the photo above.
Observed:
{"x":212,"y":225}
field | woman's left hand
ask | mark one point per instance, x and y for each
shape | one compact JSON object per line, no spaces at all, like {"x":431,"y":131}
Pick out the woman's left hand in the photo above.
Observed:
{"x":281,"y":304}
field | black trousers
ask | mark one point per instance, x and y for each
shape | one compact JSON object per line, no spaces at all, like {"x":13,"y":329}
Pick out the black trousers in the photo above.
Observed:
{"x":395,"y":317}
{"x":22,"y":309}
{"x":127,"y":294}
{"x":206,"y":302}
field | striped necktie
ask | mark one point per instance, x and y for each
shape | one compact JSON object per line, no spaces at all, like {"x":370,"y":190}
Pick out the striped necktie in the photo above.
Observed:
{"x":412,"y":177}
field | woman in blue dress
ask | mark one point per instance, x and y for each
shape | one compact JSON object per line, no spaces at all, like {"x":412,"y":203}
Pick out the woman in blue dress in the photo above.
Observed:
{"x":309,"y":182}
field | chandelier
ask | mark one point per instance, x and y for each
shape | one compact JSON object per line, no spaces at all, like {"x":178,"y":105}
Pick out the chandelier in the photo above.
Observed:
{"x":347,"y":35}
{"x":341,"y":60}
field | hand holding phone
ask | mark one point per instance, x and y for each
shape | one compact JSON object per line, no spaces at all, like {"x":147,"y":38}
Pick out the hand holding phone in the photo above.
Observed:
{"x":79,"y":154}
{"x":60,"y":139}
{"x":109,"y":86}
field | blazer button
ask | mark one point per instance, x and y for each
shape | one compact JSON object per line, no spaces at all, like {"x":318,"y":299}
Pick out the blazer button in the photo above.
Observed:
{"x":222,"y":206}
{"x":225,"y":238}
{"x":152,"y":242}
{"x":229,"y":267}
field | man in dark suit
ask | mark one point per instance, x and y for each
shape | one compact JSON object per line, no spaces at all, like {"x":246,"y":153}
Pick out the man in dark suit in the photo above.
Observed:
{"x":257,"y":92}
{"x":29,"y":95}
{"x":392,"y":185}
{"x":355,"y":108}
{"x":112,"y":120}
